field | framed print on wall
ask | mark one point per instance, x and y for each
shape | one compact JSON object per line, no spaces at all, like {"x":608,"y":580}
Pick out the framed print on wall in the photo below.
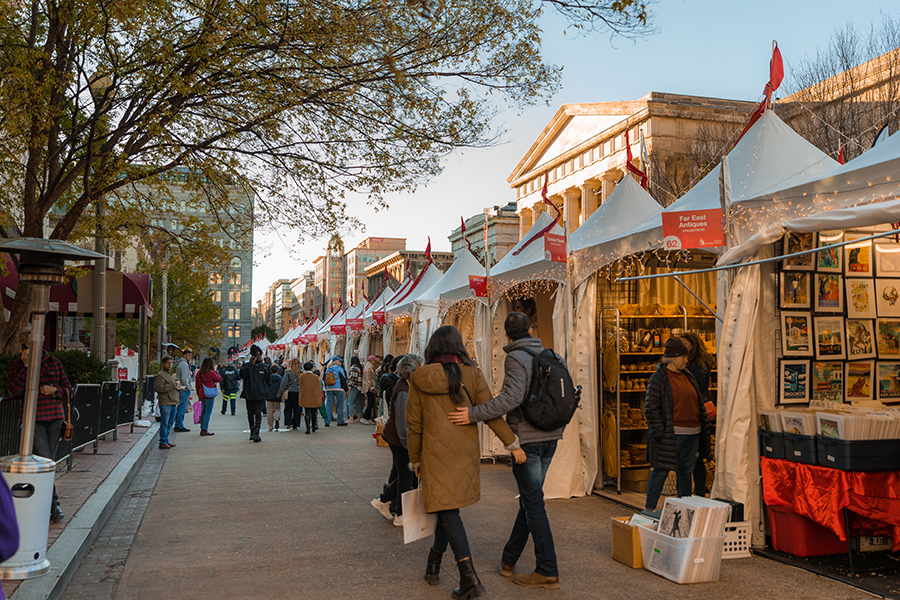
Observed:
{"x":796,"y":328}
{"x":858,"y":259}
{"x":887,"y":297}
{"x":887,"y":260}
{"x":827,"y":381}
{"x":795,"y":289}
{"x":860,"y":298}
{"x":794,"y":382}
{"x":860,"y":338}
{"x":829,"y":295}
{"x":829,"y":338}
{"x":829,"y":259}
{"x":795,"y":241}
{"x":887,"y":336}
{"x":859,"y":380}
{"x":887,"y":381}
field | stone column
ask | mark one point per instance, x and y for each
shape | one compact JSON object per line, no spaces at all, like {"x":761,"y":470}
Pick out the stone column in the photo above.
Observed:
{"x":588,"y":198}
{"x":609,"y":180}
{"x":525,"y":222}
{"x":572,"y":208}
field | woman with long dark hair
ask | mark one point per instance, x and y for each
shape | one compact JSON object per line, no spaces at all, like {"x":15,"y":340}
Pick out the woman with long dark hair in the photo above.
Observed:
{"x":206,"y":381}
{"x":700,"y":364}
{"x":445,"y":456}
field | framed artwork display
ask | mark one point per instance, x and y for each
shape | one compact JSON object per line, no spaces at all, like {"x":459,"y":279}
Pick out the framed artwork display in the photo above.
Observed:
{"x":794,"y":382}
{"x":860,"y":338}
{"x":795,"y":334}
{"x":829,"y":259}
{"x":887,"y":381}
{"x":795,"y":289}
{"x":829,"y":338}
{"x":859,"y":380}
{"x":795,"y":241}
{"x":827,"y":381}
{"x":887,"y":260}
{"x":887,"y":297}
{"x":858,"y":259}
{"x":887,"y":338}
{"x":860,"y":298}
{"x":829,"y":297}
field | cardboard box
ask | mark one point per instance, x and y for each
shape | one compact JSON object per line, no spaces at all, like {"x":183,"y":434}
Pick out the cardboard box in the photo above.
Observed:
{"x":635,"y":474}
{"x":626,"y":543}
{"x":635,"y":486}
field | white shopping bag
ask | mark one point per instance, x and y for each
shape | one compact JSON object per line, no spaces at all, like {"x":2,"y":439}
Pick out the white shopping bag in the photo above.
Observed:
{"x":417,"y":524}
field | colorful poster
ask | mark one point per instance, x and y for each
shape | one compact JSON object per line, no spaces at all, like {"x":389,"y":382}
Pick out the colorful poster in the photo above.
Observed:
{"x":798,"y":242}
{"x":794,"y":381}
{"x":829,"y":295}
{"x":827,"y":381}
{"x":888,"y":334}
{"x":888,"y":378}
{"x":859,"y":380}
{"x":860,"y":339}
{"x":795,"y":331}
{"x":861,"y":298}
{"x":859,"y":259}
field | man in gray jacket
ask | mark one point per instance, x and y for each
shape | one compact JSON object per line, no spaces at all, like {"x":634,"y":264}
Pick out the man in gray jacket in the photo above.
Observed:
{"x":183,"y":377}
{"x":538,"y":447}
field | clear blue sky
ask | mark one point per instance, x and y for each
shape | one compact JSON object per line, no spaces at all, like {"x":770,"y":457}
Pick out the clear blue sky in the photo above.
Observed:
{"x":702,"y":48}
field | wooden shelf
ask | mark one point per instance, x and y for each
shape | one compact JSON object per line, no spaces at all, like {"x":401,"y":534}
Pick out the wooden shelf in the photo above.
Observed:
{"x":626,"y":391}
{"x":632,"y":429}
{"x":649,"y":317}
{"x":635,"y":372}
{"x":644,"y":466}
{"x":655,"y":352}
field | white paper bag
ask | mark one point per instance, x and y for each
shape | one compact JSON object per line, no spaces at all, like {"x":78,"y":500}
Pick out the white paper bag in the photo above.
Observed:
{"x":417,"y":524}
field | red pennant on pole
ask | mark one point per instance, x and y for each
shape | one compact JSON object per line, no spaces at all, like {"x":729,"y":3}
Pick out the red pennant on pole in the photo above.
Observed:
{"x":776,"y":75}
{"x":545,"y":229}
{"x":428,"y":251}
{"x":630,"y":165}
{"x":840,"y":157}
{"x":463,"y":224}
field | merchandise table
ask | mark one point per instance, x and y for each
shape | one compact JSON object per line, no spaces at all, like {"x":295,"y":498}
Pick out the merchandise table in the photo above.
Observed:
{"x":822,"y":494}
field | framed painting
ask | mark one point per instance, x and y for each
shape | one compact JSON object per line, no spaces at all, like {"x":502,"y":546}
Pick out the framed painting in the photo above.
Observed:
{"x":829,"y":259}
{"x":798,"y":242}
{"x":887,"y":297}
{"x":795,"y":334}
{"x":887,"y":260}
{"x":887,"y":338}
{"x":794,"y":382}
{"x":860,"y":338}
{"x":830,"y":341}
{"x":795,"y":289}
{"x":858,"y":259}
{"x":827,"y":381}
{"x":860,"y":298}
{"x":859,"y":380}
{"x":887,"y":381}
{"x":829,"y":297}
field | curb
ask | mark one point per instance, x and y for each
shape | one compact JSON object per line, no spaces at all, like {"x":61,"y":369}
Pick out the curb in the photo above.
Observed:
{"x":75,"y":541}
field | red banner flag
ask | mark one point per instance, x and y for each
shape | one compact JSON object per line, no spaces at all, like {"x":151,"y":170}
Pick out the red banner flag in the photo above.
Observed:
{"x":428,"y":251}
{"x":545,"y":229}
{"x":840,"y":157}
{"x":630,"y":165}
{"x":462,"y":223}
{"x":776,"y":75}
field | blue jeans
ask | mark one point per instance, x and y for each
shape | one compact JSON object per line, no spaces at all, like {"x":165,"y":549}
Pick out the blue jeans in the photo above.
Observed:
{"x":166,"y":420}
{"x":687,"y":446}
{"x":184,"y":397}
{"x":207,"y":412}
{"x":354,"y":407}
{"x":532,"y":518}
{"x":332,"y":397}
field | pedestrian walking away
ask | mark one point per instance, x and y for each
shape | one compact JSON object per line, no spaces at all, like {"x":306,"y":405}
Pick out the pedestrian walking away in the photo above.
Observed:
{"x":206,"y":381}
{"x":354,"y":382}
{"x":446,"y":457}
{"x":166,"y":387}
{"x":184,"y":375}
{"x":335,"y":379}
{"x":273,"y":398}
{"x":368,"y":390}
{"x":310,"y":396}
{"x":530,"y":467}
{"x":255,"y":376}
{"x":289,"y":392}
{"x":231,"y":384}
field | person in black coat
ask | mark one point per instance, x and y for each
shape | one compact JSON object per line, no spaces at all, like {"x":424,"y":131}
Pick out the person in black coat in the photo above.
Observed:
{"x":678,"y":428}
{"x":700,"y":364}
{"x":255,"y":375}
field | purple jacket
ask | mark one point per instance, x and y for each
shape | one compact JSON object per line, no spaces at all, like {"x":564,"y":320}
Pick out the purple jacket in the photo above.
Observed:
{"x":9,"y":527}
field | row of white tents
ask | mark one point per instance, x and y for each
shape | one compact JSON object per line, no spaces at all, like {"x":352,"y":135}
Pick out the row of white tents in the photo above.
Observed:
{"x":773,"y":180}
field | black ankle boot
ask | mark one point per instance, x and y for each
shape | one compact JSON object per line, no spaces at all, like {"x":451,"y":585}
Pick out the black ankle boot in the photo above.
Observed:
{"x":469,"y":584}
{"x":433,"y":567}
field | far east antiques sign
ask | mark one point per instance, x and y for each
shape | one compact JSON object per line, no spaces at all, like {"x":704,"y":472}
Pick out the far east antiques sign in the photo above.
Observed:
{"x":693,"y":229}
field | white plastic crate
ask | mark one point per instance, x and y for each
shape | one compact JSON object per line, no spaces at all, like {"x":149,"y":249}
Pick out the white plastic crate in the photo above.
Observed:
{"x":682,"y":560}
{"x":737,"y":540}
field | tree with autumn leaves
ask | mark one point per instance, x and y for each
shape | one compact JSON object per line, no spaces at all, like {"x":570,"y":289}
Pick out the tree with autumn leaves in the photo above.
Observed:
{"x":297,"y":103}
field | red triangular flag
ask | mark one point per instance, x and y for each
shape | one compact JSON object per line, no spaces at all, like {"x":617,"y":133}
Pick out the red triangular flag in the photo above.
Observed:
{"x":428,"y":251}
{"x":463,"y":224}
{"x":776,"y":68}
{"x":546,"y":229}
{"x":630,"y":165}
{"x":840,"y":157}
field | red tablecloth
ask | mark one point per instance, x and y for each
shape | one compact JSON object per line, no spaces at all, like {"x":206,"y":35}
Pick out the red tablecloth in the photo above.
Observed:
{"x":821,"y":494}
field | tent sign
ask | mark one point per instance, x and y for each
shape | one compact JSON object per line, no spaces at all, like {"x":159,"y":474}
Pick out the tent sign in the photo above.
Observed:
{"x":555,"y":247}
{"x":123,"y":374}
{"x":339,"y":329}
{"x":355,"y":324}
{"x":311,"y":339}
{"x":478,"y":286}
{"x":378,"y":316}
{"x":693,"y":229}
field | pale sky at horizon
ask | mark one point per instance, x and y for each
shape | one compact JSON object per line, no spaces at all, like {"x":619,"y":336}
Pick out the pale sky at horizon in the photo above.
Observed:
{"x":702,"y":48}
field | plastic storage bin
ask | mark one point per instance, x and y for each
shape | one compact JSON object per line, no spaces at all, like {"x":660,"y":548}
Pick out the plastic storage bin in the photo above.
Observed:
{"x":737,"y":540}
{"x":797,"y":535}
{"x":771,"y":444}
{"x":800,"y":448}
{"x":859,"y":455}
{"x":682,"y":560}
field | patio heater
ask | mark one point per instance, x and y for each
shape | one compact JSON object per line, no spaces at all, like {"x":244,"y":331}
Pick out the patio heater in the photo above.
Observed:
{"x":30,"y":478}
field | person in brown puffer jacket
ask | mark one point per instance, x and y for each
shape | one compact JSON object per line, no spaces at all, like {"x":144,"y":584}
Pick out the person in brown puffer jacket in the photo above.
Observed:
{"x":445,"y":456}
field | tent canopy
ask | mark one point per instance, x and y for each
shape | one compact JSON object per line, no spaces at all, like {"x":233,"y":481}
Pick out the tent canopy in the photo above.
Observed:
{"x":530,"y":264}
{"x":378,"y":304}
{"x":403,"y":306}
{"x":454,"y":285}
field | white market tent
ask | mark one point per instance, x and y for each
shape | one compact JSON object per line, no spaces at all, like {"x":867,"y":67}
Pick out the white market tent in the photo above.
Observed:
{"x":528,"y":263}
{"x":353,"y":337}
{"x":403,"y":302}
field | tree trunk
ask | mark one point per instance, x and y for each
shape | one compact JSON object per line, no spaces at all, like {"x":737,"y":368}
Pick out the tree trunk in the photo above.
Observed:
{"x":19,"y":316}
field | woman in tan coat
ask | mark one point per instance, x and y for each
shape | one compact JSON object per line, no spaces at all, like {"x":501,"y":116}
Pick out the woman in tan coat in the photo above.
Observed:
{"x":446,"y":457}
{"x":310,"y":396}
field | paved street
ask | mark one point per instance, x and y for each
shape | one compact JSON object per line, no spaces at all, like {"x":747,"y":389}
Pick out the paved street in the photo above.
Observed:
{"x":290,"y":518}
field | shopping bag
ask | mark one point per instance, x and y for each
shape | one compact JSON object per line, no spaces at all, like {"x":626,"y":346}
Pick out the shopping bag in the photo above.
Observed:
{"x":417,"y":524}
{"x":198,"y":412}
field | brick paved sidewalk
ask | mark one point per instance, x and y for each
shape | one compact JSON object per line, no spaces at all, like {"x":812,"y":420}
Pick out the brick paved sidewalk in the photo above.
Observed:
{"x":89,"y":470}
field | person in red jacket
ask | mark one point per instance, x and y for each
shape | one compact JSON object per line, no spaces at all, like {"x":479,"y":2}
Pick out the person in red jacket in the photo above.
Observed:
{"x":54,"y":388}
{"x":206,"y":381}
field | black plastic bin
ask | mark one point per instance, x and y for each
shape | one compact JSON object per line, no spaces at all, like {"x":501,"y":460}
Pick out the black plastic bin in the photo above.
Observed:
{"x":127,"y":399}
{"x":859,"y":455}
{"x":85,"y":413}
{"x":800,"y":448}
{"x":109,"y":407}
{"x":771,"y":444}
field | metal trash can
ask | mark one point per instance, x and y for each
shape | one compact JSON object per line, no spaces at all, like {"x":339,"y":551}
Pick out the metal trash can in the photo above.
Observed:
{"x":30,"y":478}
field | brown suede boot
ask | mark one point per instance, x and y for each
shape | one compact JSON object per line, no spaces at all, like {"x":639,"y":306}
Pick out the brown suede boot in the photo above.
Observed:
{"x":536,"y":580}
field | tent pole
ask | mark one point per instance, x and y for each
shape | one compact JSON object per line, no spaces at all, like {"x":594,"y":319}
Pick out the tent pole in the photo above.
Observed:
{"x":700,"y":300}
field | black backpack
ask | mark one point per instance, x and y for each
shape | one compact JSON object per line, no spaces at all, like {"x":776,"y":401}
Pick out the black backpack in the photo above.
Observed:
{"x":552,"y":398}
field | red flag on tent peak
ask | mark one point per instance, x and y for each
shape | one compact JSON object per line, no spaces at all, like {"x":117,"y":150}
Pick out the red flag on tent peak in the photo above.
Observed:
{"x":463,"y":225}
{"x":428,"y":251}
{"x":546,"y":229}
{"x":840,"y":157}
{"x":776,"y":67}
{"x":630,"y":165}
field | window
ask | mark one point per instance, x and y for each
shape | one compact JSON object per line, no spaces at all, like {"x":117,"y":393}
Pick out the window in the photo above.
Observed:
{"x":235,"y":279}
{"x":234,"y":314}
{"x":234,"y":296}
{"x":215,"y":279}
{"x":216,"y":295}
{"x":237,"y":331}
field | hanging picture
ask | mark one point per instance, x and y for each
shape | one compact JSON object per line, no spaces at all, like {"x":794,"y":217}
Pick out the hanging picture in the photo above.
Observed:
{"x":794,"y":381}
{"x":795,"y":292}
{"x":827,"y":381}
{"x":887,"y":297}
{"x":858,"y":259}
{"x":828,"y":293}
{"x":860,"y":339}
{"x":829,"y":260}
{"x":796,"y":328}
{"x":859,"y":380}
{"x":887,"y":338}
{"x":860,"y":298}
{"x":887,"y":260}
{"x":829,"y":338}
{"x":887,"y":381}
{"x":798,"y":242}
